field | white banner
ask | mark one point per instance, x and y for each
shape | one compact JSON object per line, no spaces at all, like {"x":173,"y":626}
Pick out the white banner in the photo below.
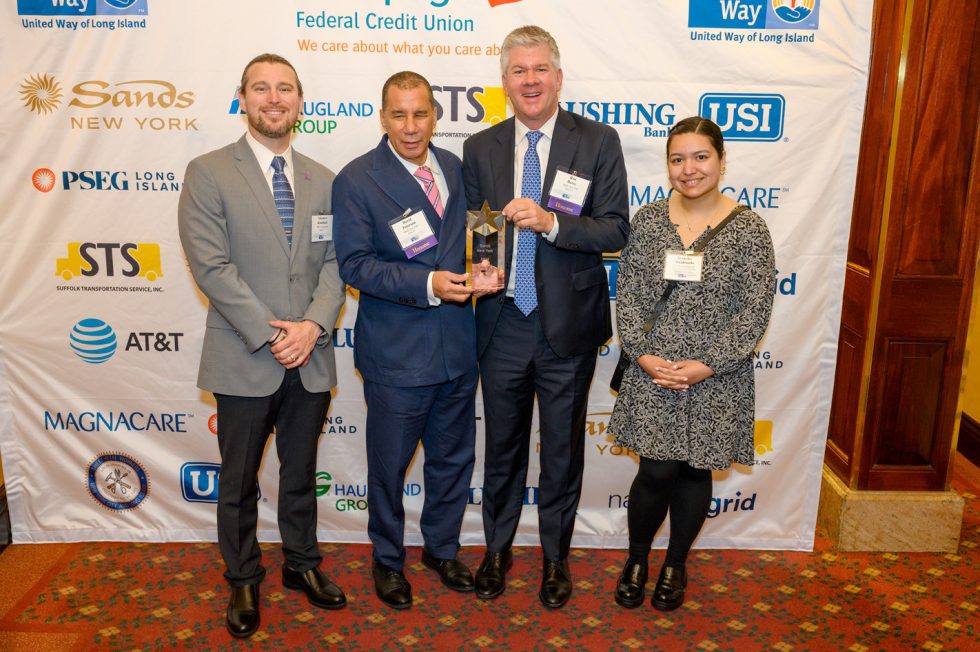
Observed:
{"x":104,"y":435}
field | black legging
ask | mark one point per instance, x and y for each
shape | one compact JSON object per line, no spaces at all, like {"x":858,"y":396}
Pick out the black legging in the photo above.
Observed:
{"x":660,"y":484}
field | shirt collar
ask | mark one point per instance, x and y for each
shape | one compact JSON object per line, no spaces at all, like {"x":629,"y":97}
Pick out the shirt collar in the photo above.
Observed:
{"x":430,"y":161}
{"x":264,"y":155}
{"x":547,"y":129}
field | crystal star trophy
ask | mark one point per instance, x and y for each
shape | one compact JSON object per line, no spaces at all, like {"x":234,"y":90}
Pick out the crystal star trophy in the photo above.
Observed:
{"x":486,"y":235}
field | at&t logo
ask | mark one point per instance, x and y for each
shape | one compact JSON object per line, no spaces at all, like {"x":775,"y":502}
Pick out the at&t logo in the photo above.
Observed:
{"x":93,"y":340}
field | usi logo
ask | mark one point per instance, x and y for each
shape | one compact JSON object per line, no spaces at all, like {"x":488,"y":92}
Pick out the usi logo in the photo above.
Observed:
{"x":745,"y":116}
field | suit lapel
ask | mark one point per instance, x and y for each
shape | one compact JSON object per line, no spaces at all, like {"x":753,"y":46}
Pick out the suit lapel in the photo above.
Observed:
{"x":564,"y":142}
{"x":302,"y":190}
{"x":254,"y":178}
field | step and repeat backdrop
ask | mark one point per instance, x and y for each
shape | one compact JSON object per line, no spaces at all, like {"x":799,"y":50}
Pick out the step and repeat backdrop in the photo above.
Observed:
{"x":104,"y":435}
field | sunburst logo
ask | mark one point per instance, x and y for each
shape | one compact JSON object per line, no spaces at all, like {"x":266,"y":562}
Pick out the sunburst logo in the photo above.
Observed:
{"x":43,"y":179}
{"x":41,"y":93}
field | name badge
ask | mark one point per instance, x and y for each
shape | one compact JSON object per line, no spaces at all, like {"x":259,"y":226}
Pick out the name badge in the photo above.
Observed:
{"x":683,"y":265}
{"x":322,"y":228}
{"x":568,"y":191}
{"x":413,"y":232}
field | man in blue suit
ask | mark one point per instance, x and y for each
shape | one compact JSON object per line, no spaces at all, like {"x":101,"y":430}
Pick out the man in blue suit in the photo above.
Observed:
{"x":400,"y":229}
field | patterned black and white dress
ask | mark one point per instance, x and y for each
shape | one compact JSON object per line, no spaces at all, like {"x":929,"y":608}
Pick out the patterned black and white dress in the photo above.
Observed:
{"x":718,"y":321}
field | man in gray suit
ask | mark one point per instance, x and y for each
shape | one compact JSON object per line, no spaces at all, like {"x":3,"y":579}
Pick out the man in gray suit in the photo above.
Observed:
{"x":255,"y":222}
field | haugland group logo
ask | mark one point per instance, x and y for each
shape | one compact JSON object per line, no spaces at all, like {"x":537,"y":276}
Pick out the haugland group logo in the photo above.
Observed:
{"x":41,"y":93}
{"x":93,"y":340}
{"x":117,"y":481}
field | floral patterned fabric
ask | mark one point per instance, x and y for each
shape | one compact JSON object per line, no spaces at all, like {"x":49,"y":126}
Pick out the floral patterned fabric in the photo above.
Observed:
{"x":718,"y":321}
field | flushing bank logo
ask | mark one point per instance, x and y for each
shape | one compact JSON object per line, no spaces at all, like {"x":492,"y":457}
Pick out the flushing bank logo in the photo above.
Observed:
{"x":655,"y":118}
{"x":199,"y":482}
{"x":754,"y":14}
{"x":81,"y":7}
{"x":746,"y":116}
{"x":93,"y":340}
{"x":117,"y":481}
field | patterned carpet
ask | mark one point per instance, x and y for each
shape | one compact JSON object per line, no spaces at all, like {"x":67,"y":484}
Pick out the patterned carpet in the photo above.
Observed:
{"x":110,"y":596}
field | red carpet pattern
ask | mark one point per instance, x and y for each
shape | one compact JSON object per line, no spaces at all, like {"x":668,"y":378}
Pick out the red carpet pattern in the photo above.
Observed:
{"x":112,"y":596}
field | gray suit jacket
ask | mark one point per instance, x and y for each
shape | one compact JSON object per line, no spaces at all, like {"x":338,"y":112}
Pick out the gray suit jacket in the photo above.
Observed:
{"x":237,"y":250}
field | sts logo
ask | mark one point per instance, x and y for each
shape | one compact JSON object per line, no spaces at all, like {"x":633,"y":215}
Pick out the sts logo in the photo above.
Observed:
{"x":199,"y":482}
{"x":94,"y":258}
{"x":486,"y":104}
{"x":746,"y":116}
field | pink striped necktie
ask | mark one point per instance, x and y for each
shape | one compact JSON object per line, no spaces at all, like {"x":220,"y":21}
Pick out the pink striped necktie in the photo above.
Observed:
{"x":424,"y":174}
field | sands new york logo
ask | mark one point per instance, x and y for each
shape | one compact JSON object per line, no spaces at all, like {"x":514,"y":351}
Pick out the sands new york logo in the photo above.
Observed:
{"x":754,"y":14}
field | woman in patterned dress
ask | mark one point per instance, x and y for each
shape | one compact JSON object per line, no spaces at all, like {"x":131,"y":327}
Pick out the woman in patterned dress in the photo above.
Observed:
{"x":687,"y":401}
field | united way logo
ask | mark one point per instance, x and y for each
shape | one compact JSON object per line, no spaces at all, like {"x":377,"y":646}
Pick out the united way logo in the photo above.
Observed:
{"x":199,"y":482}
{"x":754,"y":14}
{"x":117,"y":481}
{"x":746,"y":116}
{"x":93,"y":340}
{"x":81,"y":7}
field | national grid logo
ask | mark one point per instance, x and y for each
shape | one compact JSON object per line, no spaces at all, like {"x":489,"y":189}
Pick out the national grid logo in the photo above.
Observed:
{"x":754,"y":14}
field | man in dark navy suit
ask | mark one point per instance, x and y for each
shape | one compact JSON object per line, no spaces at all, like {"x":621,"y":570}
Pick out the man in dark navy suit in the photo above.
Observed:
{"x":560,"y":180}
{"x":400,"y":224}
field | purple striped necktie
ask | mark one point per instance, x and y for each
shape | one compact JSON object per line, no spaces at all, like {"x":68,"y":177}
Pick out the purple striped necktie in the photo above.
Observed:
{"x":424,"y":174}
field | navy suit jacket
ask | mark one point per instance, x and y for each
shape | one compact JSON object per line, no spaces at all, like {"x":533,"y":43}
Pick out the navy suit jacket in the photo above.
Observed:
{"x":400,"y":340}
{"x":573,"y":289}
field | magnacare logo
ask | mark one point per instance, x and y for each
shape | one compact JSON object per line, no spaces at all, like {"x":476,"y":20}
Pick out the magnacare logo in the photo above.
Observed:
{"x":45,"y":179}
{"x":93,"y":340}
{"x":754,"y":14}
{"x":81,"y":7}
{"x":110,"y":421}
{"x":746,"y":116}
{"x":199,"y":482}
{"x":755,"y":197}
{"x":110,"y":259}
{"x":117,"y":481}
{"x":40,"y":93}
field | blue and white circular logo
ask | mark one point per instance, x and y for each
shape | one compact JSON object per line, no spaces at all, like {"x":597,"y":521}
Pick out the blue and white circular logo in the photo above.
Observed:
{"x":117,"y":481}
{"x":120,"y":4}
{"x":93,"y":340}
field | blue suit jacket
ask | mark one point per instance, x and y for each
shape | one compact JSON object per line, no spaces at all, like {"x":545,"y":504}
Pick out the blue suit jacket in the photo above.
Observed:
{"x":400,"y":340}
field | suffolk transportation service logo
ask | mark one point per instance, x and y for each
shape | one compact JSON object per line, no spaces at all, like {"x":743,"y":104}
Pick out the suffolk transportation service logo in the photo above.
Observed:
{"x":754,"y":14}
{"x":746,"y":116}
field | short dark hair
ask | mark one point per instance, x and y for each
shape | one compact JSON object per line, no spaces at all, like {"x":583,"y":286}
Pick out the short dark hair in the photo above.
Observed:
{"x":268,"y":57}
{"x":699,"y":125}
{"x":405,"y":80}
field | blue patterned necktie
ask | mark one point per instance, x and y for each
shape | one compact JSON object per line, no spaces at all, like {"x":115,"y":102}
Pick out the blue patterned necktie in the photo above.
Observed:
{"x":282,"y":193}
{"x":525,"y":292}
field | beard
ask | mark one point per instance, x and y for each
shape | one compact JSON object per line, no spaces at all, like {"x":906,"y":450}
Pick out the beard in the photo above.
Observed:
{"x":260,"y":125}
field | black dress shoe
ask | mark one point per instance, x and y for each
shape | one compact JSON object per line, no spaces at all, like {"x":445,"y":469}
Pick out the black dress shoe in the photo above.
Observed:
{"x":321,"y":592}
{"x":630,"y":587}
{"x":491,"y":576}
{"x":669,"y":593}
{"x":556,"y":584}
{"x":391,"y":586}
{"x":452,"y":572}
{"x":242,"y":617}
